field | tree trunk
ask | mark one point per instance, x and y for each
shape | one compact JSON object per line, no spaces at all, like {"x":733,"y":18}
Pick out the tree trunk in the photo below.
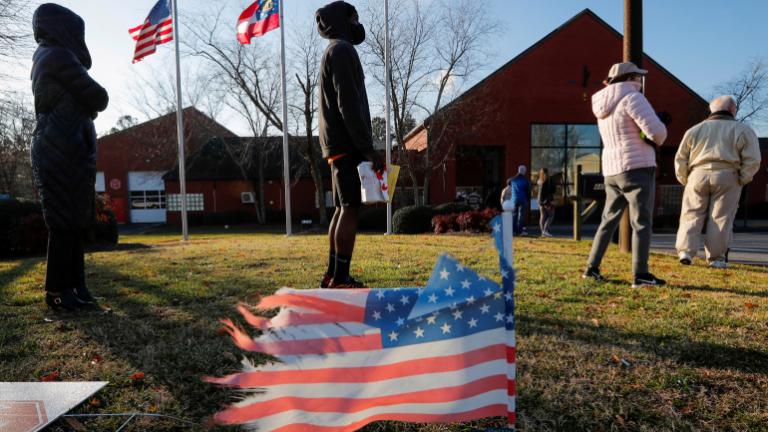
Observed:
{"x":415,"y":183}
{"x":425,"y":194}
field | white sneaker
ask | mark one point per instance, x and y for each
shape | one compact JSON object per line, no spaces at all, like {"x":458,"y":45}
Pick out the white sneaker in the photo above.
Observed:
{"x":719,"y":264}
{"x":685,"y":258}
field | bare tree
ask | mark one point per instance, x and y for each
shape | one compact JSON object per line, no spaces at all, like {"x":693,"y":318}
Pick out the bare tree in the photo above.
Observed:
{"x":153,"y":92}
{"x":248,"y":75}
{"x":15,"y":37}
{"x":750,"y":90}
{"x":412,"y":32}
{"x":459,"y":45}
{"x":307,"y":51}
{"x":17,"y":125}
{"x":249,"y":78}
{"x":433,"y":50}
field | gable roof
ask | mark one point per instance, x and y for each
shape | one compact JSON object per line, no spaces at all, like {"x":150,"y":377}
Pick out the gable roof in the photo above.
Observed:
{"x":586,"y":12}
{"x":191,"y":116}
{"x":231,"y":158}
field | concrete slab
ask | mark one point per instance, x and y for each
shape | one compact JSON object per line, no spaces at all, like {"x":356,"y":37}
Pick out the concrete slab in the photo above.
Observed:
{"x":31,"y":406}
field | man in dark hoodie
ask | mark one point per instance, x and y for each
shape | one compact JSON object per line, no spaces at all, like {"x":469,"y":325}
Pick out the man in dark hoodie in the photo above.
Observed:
{"x":64,"y":148}
{"x":345,"y":132}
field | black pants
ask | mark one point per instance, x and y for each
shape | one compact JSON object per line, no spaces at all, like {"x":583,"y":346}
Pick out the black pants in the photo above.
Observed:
{"x":66,"y":261}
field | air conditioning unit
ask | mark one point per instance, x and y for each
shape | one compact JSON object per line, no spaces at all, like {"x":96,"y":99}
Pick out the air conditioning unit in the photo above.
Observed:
{"x":247,"y":198}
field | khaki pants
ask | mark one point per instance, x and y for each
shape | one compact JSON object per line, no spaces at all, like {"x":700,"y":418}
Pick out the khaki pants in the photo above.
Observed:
{"x":711,"y":197}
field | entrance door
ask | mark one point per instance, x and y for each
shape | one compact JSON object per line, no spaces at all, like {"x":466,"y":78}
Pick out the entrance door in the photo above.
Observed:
{"x":147,"y":196}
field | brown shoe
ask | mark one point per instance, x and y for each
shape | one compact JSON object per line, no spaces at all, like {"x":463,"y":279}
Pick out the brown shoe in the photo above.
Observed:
{"x":349,"y":283}
{"x":325,"y":282}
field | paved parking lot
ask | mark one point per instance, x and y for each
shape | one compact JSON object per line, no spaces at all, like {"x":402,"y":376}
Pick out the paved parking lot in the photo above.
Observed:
{"x":748,"y":248}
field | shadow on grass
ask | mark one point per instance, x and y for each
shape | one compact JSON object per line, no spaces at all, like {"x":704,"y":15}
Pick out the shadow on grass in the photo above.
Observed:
{"x":120,"y":247}
{"x":707,"y":288}
{"x":23,"y":266}
{"x":679,"y":349}
{"x":170,"y":336}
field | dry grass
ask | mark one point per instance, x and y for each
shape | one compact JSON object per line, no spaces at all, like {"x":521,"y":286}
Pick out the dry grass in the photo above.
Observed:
{"x":592,"y":357}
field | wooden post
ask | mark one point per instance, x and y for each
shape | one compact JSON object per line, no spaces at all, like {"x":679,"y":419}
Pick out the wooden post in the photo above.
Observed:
{"x":633,"y":51}
{"x":577,"y":205}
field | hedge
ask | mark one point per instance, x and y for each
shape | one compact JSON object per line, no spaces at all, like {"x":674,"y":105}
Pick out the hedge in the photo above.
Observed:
{"x":23,"y":230}
{"x":452,"y":207}
{"x":413,"y":220}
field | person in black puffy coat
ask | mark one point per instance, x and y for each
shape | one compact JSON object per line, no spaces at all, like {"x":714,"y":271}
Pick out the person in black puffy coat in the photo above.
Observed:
{"x":67,"y":100}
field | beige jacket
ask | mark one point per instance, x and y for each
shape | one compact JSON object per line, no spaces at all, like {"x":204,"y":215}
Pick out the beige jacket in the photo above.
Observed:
{"x":718,"y":143}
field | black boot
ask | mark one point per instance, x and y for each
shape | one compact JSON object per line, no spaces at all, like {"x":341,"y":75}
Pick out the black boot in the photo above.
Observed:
{"x":65,"y":301}
{"x":84,"y":296}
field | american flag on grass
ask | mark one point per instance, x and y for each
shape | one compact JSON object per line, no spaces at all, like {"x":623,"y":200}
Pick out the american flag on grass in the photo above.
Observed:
{"x":439,"y":354}
{"x":157,"y":29}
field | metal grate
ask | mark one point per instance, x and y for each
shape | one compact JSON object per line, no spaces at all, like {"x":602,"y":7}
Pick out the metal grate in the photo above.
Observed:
{"x":670,"y":199}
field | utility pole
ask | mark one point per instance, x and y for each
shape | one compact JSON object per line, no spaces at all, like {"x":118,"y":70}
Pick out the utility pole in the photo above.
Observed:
{"x":633,"y":52}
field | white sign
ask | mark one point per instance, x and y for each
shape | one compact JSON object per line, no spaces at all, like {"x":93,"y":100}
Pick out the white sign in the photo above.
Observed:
{"x":31,"y":406}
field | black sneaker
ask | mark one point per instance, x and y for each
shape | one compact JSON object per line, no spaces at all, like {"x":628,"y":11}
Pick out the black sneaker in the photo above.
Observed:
{"x":594,"y":274}
{"x":84,"y":296}
{"x":348,"y":284}
{"x":647,"y":279}
{"x":63,"y":302}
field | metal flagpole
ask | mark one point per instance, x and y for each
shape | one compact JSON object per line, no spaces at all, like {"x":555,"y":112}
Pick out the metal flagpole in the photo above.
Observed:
{"x":286,"y":161}
{"x":387,"y":139}
{"x":180,"y":128}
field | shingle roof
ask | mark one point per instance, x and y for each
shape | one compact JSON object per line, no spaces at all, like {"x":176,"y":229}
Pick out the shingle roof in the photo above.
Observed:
{"x":236,"y":158}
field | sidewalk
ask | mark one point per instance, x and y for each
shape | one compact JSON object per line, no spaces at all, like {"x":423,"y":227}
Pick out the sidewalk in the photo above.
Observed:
{"x":748,"y":247}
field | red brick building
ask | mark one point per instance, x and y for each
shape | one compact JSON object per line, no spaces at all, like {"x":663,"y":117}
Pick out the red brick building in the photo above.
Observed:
{"x":132,"y":162}
{"x":536,"y":111}
{"x":223,"y":176}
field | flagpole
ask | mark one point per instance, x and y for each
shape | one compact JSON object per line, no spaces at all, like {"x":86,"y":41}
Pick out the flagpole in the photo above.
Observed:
{"x":180,"y":127}
{"x":286,"y":161}
{"x":387,"y":139}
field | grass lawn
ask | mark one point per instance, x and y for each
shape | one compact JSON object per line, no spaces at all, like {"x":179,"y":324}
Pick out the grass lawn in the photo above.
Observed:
{"x":592,"y":357}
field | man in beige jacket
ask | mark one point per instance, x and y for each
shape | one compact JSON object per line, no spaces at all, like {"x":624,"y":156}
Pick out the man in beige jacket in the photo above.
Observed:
{"x":715,"y":159}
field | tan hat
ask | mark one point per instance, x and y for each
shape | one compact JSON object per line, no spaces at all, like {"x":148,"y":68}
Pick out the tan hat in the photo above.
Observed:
{"x":625,"y":68}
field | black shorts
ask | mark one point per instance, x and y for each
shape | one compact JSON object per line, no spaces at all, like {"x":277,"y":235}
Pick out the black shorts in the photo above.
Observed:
{"x":346,"y":181}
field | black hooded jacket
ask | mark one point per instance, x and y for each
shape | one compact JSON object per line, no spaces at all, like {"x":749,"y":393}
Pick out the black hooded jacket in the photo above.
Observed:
{"x":345,"y":118}
{"x":66,"y":101}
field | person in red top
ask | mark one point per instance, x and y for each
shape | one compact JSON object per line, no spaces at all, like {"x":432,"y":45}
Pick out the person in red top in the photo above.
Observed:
{"x":346,"y":136}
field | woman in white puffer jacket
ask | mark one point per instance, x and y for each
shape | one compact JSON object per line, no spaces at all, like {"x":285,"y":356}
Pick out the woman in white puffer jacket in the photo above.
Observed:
{"x":630,"y":130}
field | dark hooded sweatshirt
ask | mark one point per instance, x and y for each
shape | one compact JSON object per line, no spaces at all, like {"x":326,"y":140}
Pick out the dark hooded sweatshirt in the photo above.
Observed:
{"x":345,"y":119}
{"x":66,"y":101}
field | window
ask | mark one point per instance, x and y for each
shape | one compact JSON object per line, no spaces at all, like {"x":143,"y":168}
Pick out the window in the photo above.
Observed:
{"x":559,"y":148}
{"x":147,"y":200}
{"x":195,"y":202}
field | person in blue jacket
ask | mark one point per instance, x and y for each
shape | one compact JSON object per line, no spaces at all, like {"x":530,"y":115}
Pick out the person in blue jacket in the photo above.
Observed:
{"x":518,"y":191}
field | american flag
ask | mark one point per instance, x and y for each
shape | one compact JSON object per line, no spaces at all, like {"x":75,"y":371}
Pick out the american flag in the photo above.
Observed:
{"x":439,"y":354}
{"x":157,"y":29}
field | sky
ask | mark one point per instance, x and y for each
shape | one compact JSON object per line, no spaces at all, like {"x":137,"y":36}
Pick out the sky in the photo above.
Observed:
{"x":702,"y":42}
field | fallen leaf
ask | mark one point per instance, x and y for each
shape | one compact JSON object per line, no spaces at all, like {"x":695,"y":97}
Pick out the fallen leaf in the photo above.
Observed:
{"x":138,"y":376}
{"x":686,"y":409}
{"x":596,"y":322}
{"x":74,"y":424}
{"x":94,"y":402}
{"x":750,"y":306}
{"x":96,"y":359}
{"x":615,"y":358}
{"x":53,"y":376}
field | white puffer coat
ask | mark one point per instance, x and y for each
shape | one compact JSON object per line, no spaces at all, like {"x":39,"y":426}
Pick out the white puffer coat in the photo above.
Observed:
{"x":622,"y":113}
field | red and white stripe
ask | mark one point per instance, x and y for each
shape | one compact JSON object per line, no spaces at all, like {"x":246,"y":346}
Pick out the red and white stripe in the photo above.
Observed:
{"x":334,"y":375}
{"x":148,"y":36}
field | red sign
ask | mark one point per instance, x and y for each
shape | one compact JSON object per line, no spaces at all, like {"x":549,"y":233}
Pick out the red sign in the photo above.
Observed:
{"x":115,"y":184}
{"x":22,"y":416}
